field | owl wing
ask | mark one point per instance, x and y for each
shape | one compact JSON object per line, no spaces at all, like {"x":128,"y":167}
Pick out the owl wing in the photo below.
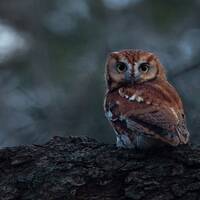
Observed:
{"x":161,"y":118}
{"x":160,"y":122}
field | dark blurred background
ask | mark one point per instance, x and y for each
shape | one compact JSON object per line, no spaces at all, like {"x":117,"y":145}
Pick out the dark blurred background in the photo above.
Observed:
{"x":52,"y":55}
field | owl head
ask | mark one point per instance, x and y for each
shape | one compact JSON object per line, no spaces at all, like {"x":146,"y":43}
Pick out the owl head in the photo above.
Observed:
{"x":128,"y":67}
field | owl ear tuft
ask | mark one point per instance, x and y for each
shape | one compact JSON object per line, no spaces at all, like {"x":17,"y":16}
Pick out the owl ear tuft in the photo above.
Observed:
{"x":115,"y":52}
{"x":114,"y":55}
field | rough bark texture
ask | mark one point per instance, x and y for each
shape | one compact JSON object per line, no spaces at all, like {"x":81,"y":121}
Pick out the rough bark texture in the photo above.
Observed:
{"x":81,"y":168}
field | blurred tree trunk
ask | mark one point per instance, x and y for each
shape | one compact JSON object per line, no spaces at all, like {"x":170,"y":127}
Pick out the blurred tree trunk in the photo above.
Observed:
{"x":81,"y":168}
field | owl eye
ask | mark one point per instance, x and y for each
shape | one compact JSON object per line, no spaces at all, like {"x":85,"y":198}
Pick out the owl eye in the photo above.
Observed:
{"x":144,"y":67}
{"x":121,"y":67}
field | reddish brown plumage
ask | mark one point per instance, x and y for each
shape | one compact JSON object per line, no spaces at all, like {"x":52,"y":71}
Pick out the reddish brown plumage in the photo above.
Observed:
{"x":143,"y":104}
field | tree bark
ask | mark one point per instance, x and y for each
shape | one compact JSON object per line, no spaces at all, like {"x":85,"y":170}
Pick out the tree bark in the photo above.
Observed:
{"x":83,"y":169}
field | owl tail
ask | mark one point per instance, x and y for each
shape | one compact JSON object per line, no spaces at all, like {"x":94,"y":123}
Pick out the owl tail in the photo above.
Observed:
{"x":179,"y":136}
{"x":183,"y":135}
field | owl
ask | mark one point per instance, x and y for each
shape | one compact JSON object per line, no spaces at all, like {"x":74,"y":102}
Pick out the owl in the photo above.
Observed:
{"x":143,"y":108}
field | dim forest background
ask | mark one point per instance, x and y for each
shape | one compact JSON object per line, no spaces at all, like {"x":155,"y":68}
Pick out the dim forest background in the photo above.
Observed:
{"x":52,"y":55}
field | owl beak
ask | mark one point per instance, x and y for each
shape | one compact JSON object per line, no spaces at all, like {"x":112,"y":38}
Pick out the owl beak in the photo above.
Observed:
{"x":132,"y":78}
{"x":128,"y":77}
{"x":136,"y":75}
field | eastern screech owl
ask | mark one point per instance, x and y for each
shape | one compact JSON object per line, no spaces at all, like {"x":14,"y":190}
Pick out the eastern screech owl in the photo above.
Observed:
{"x":141,"y":105}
